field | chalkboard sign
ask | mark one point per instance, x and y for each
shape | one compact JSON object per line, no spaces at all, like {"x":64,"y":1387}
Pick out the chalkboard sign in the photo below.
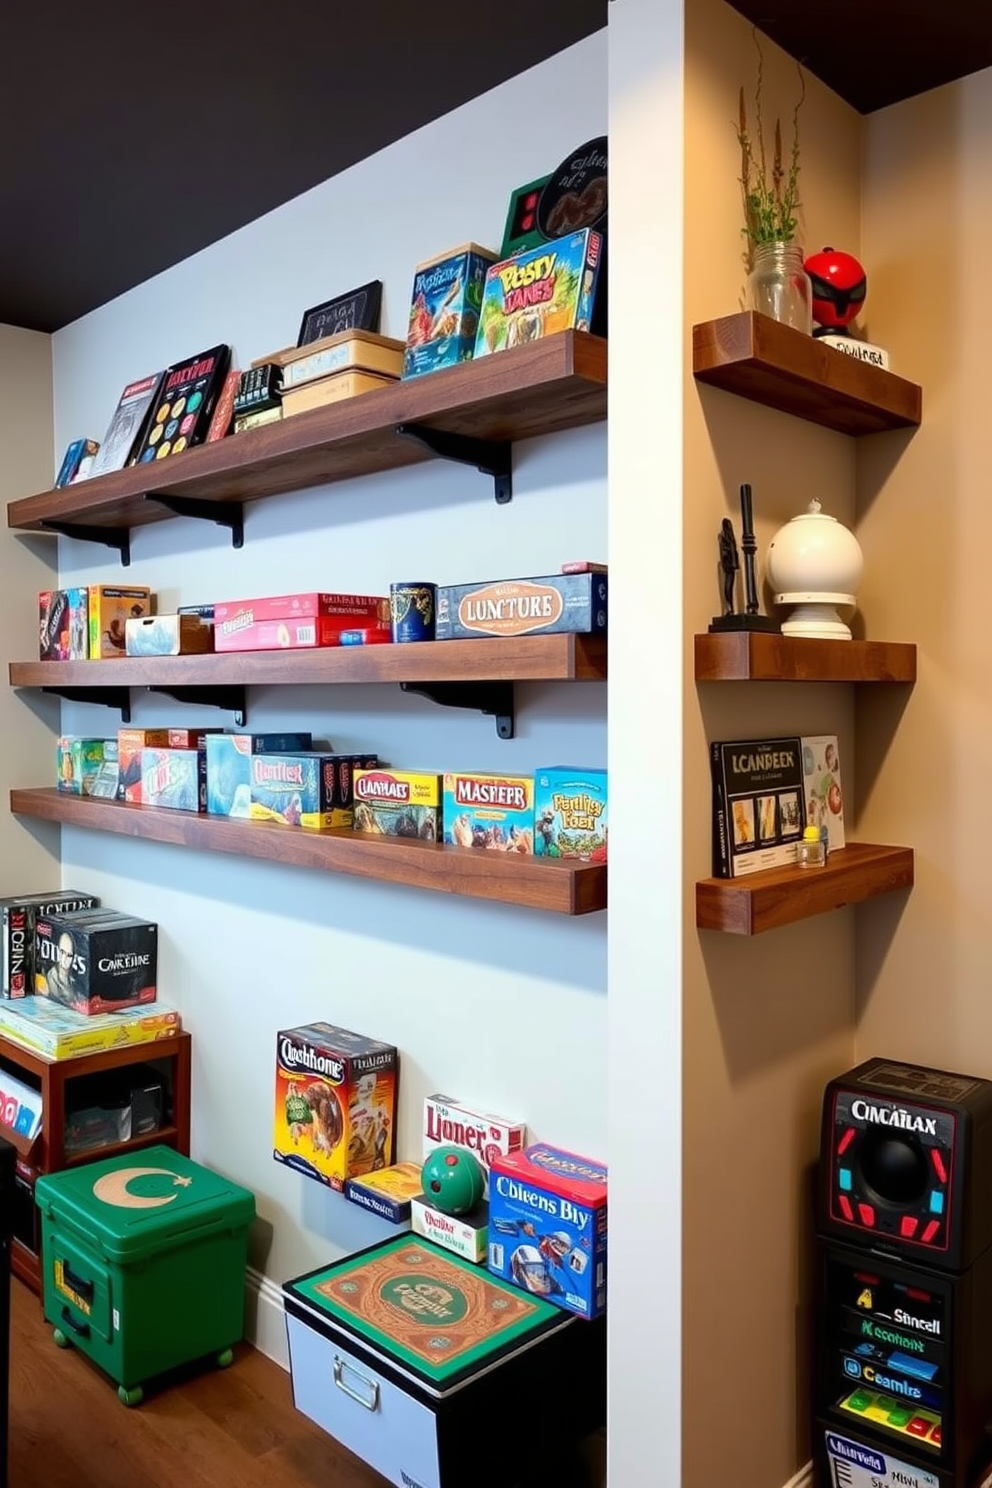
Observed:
{"x":358,"y":310}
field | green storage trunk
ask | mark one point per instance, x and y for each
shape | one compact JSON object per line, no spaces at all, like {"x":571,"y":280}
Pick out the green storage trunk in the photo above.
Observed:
{"x":143,"y":1262}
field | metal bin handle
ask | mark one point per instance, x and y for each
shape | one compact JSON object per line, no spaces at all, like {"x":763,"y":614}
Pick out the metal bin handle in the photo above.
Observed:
{"x":371,"y":1400}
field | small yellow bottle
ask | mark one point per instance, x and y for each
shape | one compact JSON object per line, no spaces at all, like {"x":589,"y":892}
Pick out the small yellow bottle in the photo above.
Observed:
{"x":811,"y":852}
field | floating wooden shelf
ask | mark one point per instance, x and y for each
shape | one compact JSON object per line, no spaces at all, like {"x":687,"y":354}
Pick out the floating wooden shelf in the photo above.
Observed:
{"x":780,"y":896}
{"x":553,"y":384}
{"x":538,"y":658}
{"x":564,"y":887}
{"x":769,"y":363}
{"x":753,"y":656}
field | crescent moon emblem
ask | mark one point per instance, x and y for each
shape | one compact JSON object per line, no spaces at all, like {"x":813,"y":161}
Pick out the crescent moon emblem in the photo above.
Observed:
{"x":112,"y":1188}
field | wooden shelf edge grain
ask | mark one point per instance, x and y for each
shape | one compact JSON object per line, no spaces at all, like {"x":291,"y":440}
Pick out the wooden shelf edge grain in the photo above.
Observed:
{"x":781,"y":896}
{"x":553,"y":384}
{"x":536,"y":658}
{"x":753,"y":656}
{"x":760,"y":359}
{"x":562,"y":887}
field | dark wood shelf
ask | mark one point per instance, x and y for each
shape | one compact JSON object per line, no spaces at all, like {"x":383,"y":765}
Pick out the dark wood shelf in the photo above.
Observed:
{"x":753,"y":656}
{"x":553,"y":384}
{"x":781,"y":896}
{"x":563,"y":887}
{"x":166,"y":1134}
{"x":760,"y":359}
{"x":538,"y":658}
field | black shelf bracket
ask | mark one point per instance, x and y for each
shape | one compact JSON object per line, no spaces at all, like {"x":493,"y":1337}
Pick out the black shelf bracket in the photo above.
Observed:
{"x":110,"y":697}
{"x":232,"y":699}
{"x":225,"y":513}
{"x":492,"y":698}
{"x":491,"y":456}
{"x":112,"y":537}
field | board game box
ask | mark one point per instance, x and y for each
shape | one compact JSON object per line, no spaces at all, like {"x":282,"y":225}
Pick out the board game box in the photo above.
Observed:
{"x":495,"y":812}
{"x":229,"y":766}
{"x":17,"y":921}
{"x":571,"y":813}
{"x":96,"y":961}
{"x":451,"y":1123}
{"x":127,"y":424}
{"x":433,"y":1312}
{"x":540,"y":291}
{"x":550,"y":605}
{"x":174,"y":778}
{"x":62,"y":623}
{"x":335,"y":1103}
{"x":185,"y":405}
{"x":59,"y":1033}
{"x":758,"y":804}
{"x":465,"y":1235}
{"x":822,"y":790}
{"x":110,"y":606}
{"x":398,"y":803}
{"x":167,"y":635}
{"x":300,"y":790}
{"x":87,"y":767}
{"x":77,"y":459}
{"x":387,"y":1193}
{"x":444,"y":309}
{"x":363,"y":351}
{"x":548,"y":1226}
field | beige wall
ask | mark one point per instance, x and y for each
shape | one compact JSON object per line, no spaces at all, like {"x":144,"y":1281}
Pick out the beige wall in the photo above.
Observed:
{"x":768,"y":1020}
{"x":28,"y":851}
{"x":924,"y":992}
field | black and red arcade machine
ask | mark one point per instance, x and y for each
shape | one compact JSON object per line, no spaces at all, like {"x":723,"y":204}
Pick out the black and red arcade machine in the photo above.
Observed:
{"x":903,"y":1367}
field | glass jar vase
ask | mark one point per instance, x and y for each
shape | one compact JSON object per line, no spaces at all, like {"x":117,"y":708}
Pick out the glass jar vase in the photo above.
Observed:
{"x":779,"y":286}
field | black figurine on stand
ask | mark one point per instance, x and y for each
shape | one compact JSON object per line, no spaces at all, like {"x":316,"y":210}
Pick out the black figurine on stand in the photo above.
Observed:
{"x":730,"y":563}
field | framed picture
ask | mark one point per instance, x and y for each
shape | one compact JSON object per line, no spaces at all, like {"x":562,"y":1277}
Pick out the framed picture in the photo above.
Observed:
{"x":358,"y":310}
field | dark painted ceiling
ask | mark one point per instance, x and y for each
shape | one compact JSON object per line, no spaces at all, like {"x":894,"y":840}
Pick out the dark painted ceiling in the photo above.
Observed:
{"x":877,"y":52}
{"x":136,"y":134}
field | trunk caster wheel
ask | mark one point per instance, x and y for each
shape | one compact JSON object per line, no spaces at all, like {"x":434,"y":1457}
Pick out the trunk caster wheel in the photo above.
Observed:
{"x":225,"y":1359}
{"x":130,"y":1397}
{"x":60,"y":1339}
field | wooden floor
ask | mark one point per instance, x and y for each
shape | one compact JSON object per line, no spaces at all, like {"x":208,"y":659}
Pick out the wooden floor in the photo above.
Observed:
{"x":208,"y":1429}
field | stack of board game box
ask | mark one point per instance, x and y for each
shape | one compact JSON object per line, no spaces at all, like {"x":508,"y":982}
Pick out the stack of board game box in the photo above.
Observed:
{"x":336,"y":367}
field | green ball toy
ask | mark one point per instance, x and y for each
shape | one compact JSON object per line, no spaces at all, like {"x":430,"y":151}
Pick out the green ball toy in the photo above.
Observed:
{"x":453,"y":1180}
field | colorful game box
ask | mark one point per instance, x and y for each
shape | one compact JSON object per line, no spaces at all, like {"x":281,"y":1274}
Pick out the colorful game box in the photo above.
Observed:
{"x":86,"y":767}
{"x":175,"y":778}
{"x":109,"y":609}
{"x":295,"y":621}
{"x":62,"y":622}
{"x":540,"y":291}
{"x":444,"y":309}
{"x":96,"y":961}
{"x":450,"y":1123}
{"x":548,"y":1226}
{"x":489,"y":811}
{"x":167,"y":635}
{"x":184,"y":405}
{"x":301,"y":790}
{"x":550,"y":605}
{"x":17,"y":922}
{"x":398,"y":803}
{"x":335,"y":1107}
{"x":132,"y":741}
{"x":387,"y":1193}
{"x":229,"y":766}
{"x":570,"y":813}
{"x":465,"y":1235}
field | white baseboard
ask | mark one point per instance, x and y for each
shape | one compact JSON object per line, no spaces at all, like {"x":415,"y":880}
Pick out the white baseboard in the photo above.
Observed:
{"x":803,"y":1478}
{"x":265,"y":1320}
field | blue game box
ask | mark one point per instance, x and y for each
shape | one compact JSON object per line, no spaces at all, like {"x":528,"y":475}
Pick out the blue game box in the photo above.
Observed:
{"x":229,"y":767}
{"x":547,"y":1226}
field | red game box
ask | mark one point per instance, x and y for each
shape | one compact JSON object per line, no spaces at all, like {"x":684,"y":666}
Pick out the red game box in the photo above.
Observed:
{"x":293,"y":621}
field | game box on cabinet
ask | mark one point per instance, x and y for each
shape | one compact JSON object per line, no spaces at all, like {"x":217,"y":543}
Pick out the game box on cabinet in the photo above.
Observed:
{"x":144,"y":1258}
{"x":408,"y":1356}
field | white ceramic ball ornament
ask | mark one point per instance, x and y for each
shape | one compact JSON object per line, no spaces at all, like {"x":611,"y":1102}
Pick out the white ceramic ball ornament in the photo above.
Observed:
{"x":815,"y":563}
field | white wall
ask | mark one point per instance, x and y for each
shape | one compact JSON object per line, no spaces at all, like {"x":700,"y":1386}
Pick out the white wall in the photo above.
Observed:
{"x":28,"y":850}
{"x":645,"y":693}
{"x":502,"y":1006}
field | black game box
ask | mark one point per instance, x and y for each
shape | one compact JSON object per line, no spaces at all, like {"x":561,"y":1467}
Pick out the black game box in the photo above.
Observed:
{"x":17,"y":922}
{"x":96,"y":962}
